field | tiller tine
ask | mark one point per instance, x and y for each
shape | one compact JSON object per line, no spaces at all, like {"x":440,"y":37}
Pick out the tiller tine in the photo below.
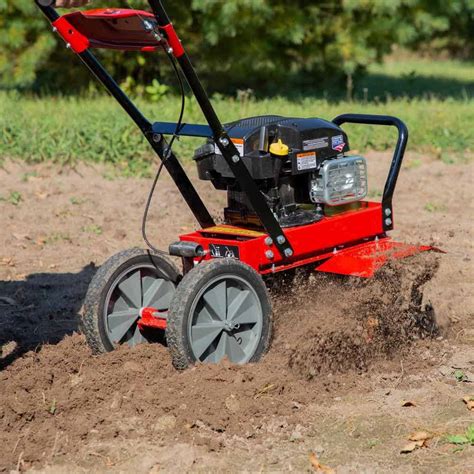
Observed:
{"x":364,"y":260}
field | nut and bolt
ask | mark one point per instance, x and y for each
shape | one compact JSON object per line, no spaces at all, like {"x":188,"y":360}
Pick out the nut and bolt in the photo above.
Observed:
{"x":54,"y":29}
{"x":68,"y":46}
{"x":281,"y":239}
{"x":268,"y":241}
{"x":388,"y":212}
{"x":148,"y":25}
{"x":269,"y":254}
{"x":236,"y":158}
{"x":224,"y":141}
{"x":288,"y":252}
{"x":156,"y":137}
{"x":169,"y":50}
{"x":388,"y":221}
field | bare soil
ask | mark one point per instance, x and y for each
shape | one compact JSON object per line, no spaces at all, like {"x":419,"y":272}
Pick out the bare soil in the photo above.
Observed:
{"x":346,"y":357}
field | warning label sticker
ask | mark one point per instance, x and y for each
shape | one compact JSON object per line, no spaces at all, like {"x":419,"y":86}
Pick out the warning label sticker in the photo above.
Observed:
{"x":239,"y":144}
{"x":306,"y":161}
{"x":316,"y":143}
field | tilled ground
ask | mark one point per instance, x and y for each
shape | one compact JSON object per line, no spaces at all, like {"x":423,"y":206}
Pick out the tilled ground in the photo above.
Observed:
{"x":347,"y":353}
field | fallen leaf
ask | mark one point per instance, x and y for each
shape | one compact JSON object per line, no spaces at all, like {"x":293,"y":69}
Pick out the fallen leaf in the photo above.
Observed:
{"x":318,"y":467}
{"x":267,"y":388}
{"x":408,"y":403}
{"x":419,"y":436}
{"x":469,"y":401}
{"x":410,"y":447}
{"x":372,"y":325}
{"x":21,"y":236}
{"x":8,"y":261}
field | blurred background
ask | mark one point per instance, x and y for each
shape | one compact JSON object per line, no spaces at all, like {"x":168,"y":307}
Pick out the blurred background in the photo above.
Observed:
{"x":412,"y":58}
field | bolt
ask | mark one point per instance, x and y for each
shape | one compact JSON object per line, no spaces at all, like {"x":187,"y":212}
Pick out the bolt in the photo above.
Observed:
{"x":54,"y":29}
{"x":269,"y":254}
{"x":148,"y":25}
{"x":156,"y":137}
{"x":268,"y":241}
{"x":169,"y":50}
{"x":288,"y":252}
{"x":388,"y":212}
{"x":281,"y":239}
{"x":388,"y":221}
{"x":236,"y":158}
{"x":68,"y":46}
{"x":224,"y":141}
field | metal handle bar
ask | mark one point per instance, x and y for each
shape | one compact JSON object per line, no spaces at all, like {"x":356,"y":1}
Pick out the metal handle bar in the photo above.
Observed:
{"x":219,"y":133}
{"x":397,"y":159}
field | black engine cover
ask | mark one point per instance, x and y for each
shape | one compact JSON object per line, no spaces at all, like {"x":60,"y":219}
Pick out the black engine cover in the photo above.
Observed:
{"x":311,"y":141}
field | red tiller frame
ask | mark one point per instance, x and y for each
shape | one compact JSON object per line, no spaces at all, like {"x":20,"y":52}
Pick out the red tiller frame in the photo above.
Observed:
{"x":350,"y":240}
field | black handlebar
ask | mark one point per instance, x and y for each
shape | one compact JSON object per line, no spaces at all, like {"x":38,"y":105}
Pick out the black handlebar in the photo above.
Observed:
{"x":397,"y":155}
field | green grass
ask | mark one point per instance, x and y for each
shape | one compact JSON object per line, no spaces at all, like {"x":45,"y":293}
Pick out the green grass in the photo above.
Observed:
{"x":94,"y":129}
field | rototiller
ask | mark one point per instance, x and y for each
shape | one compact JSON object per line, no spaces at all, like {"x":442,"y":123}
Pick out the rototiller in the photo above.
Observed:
{"x":295,"y":199}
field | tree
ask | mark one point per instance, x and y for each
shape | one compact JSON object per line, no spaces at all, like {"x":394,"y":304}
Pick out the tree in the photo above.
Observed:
{"x":262,"y":44}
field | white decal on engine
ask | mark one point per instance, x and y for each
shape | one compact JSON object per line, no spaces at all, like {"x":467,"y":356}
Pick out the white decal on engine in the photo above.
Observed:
{"x":316,"y":143}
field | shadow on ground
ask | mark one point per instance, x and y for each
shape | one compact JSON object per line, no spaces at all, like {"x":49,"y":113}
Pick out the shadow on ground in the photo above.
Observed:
{"x":42,"y":309}
{"x":413,"y":85}
{"x":376,"y":87}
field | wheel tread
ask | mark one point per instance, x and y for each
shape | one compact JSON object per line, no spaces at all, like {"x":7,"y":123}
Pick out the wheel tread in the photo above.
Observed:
{"x":89,"y":322}
{"x":176,"y":333}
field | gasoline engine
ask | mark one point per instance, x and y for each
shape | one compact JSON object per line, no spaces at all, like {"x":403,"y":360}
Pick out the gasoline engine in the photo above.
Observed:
{"x":298,"y":164}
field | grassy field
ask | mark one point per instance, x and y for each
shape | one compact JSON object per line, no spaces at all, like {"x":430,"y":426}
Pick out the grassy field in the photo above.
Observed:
{"x":435,"y":99}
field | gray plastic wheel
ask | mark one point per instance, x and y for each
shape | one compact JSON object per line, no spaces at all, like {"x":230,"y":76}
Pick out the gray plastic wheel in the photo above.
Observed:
{"x":126,"y":283}
{"x":220,"y":310}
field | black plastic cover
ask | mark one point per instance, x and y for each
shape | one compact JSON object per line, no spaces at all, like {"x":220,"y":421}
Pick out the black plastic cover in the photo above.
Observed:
{"x":310,"y":140}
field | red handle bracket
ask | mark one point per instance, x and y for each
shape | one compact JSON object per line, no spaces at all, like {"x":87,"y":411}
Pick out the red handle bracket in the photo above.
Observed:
{"x":77,"y":41}
{"x":173,"y":39}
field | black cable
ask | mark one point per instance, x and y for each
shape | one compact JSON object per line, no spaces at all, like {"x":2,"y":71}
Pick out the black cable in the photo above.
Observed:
{"x":167,"y":154}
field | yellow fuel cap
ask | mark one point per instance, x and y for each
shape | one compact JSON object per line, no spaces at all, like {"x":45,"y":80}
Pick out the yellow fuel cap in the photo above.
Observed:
{"x":279,"y":148}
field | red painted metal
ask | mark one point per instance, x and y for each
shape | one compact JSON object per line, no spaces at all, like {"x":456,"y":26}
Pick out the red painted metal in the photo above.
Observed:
{"x":365,"y":259}
{"x":150,"y":318}
{"x":351,"y":234}
{"x":78,"y":42}
{"x":115,"y":13}
{"x":310,"y":242}
{"x":112,"y":28}
{"x":173,"y":39}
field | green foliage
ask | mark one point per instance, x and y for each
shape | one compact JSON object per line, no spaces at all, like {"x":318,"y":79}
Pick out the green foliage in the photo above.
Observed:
{"x":463,"y":440}
{"x":156,"y":91}
{"x":13,"y":198}
{"x":25,"y":43}
{"x":460,"y":376}
{"x":70,"y":129}
{"x":261,"y":44}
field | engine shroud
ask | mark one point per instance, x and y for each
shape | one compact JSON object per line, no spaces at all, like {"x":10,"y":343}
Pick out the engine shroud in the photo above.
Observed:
{"x":285,"y":182}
